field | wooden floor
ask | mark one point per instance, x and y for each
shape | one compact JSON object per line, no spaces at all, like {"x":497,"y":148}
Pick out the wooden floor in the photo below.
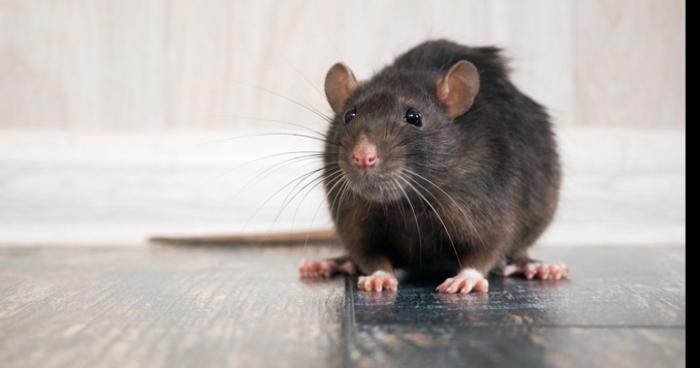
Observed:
{"x":184,"y":307}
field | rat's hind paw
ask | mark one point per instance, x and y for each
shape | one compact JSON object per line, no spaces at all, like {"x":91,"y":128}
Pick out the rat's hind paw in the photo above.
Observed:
{"x":466,"y":281}
{"x":378,"y":281}
{"x":538,"y":270}
{"x":325,"y":268}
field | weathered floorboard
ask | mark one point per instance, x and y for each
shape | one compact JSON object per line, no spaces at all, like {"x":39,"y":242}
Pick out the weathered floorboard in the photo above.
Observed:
{"x":168,"y":307}
{"x":623,"y":307}
{"x":245,"y":306}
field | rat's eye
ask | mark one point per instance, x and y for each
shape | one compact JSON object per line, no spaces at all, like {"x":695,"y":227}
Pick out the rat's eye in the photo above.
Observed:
{"x":413,"y":117}
{"x":349,"y":115}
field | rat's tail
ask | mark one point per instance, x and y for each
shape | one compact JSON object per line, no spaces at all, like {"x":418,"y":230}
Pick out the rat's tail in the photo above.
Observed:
{"x":303,"y":237}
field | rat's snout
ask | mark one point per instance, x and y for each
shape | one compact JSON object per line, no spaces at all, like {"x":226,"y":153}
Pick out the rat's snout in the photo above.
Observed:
{"x":364,"y":155}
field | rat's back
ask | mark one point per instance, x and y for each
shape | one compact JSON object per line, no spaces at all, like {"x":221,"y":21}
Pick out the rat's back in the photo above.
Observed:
{"x":519,"y":126}
{"x":439,"y":55}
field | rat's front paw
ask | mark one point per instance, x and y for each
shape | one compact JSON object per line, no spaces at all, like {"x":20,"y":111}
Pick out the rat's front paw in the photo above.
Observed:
{"x":465,"y":282}
{"x":378,"y":281}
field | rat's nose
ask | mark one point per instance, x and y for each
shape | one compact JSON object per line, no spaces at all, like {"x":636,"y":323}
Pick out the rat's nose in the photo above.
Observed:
{"x":364,"y":155}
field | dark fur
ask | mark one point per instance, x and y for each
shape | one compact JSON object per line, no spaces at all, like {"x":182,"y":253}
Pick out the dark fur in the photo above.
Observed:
{"x":498,"y":162}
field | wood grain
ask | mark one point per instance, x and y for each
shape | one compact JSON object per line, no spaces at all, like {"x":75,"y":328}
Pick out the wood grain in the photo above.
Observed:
{"x":105,"y":108}
{"x":148,"y":65}
{"x":623,"y":307}
{"x":623,"y":186}
{"x":246,"y":307}
{"x":165,"y":307}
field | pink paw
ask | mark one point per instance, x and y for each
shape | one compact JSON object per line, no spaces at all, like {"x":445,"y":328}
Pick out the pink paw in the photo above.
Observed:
{"x":378,"y":281}
{"x":324,"y":268}
{"x":465,"y":282}
{"x":539,"y":270}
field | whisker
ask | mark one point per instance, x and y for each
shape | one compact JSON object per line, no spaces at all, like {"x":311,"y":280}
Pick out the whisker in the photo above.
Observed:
{"x":283,"y":134}
{"x":280,"y":121}
{"x":344,"y":190}
{"x":437,"y":215}
{"x":313,"y":218}
{"x":290,"y":197}
{"x":300,"y":74}
{"x":289,"y":99}
{"x":315,"y":182}
{"x":340,"y":180}
{"x":467,"y":218}
{"x":415,"y":217}
{"x":264,"y":173}
{"x":242,"y":164}
{"x":300,"y":177}
{"x":261,"y":175}
{"x":335,"y":197}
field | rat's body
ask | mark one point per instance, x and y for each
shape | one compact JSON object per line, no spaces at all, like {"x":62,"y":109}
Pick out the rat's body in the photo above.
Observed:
{"x":438,"y":162}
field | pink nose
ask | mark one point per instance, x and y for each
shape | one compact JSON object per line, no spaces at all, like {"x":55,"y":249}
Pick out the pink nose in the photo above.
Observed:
{"x":364,"y":155}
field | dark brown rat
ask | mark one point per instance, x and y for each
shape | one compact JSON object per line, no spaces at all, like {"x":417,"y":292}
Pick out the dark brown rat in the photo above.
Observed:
{"x":438,"y":162}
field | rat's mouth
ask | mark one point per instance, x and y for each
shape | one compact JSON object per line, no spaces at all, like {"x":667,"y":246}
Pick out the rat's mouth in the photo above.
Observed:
{"x":375,"y":186}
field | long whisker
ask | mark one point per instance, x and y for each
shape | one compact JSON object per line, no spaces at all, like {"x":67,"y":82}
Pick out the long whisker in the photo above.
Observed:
{"x":313,"y":219}
{"x":243,"y":189}
{"x":291,"y":197}
{"x":242,"y":164}
{"x":392,"y":193}
{"x":467,"y":218}
{"x":279,"y":121}
{"x":300,"y":74}
{"x":415,"y":217}
{"x":302,"y":105}
{"x":284,"y":134}
{"x":337,"y":193}
{"x":438,"y":202}
{"x":344,"y":190}
{"x":313,"y":183}
{"x":300,"y":177}
{"x":262,"y":174}
{"x":437,"y":215}
{"x":340,"y":180}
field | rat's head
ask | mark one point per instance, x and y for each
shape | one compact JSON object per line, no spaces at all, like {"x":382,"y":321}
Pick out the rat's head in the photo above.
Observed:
{"x":394,"y":129}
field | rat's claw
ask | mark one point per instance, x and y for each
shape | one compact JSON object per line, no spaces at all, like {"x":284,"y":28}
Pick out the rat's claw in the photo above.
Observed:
{"x":555,"y":271}
{"x":445,"y":284}
{"x":378,"y":281}
{"x":530,"y":270}
{"x":482,"y":285}
{"x":563,"y":271}
{"x":465,"y":282}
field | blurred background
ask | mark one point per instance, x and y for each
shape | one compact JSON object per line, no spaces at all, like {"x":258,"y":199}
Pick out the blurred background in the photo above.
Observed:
{"x":124,"y":119}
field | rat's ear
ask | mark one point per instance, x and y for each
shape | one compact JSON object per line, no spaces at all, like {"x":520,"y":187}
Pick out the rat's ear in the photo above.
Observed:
{"x":340,"y":84}
{"x":458,"y":88}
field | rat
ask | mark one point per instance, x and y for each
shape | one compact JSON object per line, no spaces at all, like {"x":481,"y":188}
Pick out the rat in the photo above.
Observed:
{"x":438,"y":162}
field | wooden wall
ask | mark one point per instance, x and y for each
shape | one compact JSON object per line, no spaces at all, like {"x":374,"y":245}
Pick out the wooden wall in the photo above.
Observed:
{"x":155,"y":64}
{"x":104,"y":105}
